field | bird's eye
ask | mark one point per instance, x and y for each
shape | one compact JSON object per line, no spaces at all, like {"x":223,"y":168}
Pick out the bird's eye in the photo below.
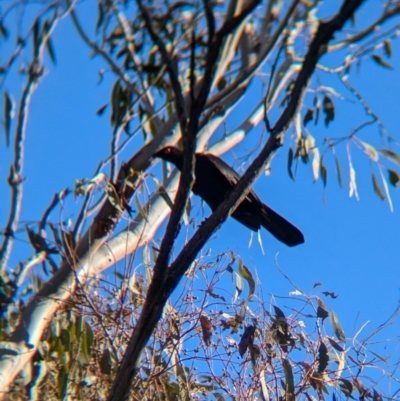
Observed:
{"x":167,"y":151}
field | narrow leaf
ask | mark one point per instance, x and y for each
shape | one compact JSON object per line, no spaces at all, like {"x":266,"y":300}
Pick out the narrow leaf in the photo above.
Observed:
{"x":330,"y":294}
{"x":308,"y":116}
{"x":8,"y":116}
{"x":317,"y":106}
{"x":86,"y":342}
{"x":247,"y":339}
{"x":290,"y":162}
{"x":246,"y":274}
{"x":384,"y":360}
{"x":323,"y":357}
{"x":3,"y":30}
{"x":377,"y":188}
{"x":394,"y":177}
{"x":322,"y":313}
{"x":335,"y":345}
{"x":324,"y":173}
{"x":337,"y":328}
{"x":346,"y":387}
{"x":287,"y":368}
{"x":329,"y":109}
{"x":164,"y":194}
{"x":391,"y":155}
{"x":101,"y":109}
{"x":338,"y":171}
{"x":61,"y":380}
{"x":35,"y":35}
{"x":387,"y":47}
{"x":141,"y":209}
{"x":379,"y":60}
{"x":100,"y":17}
{"x":370,"y":151}
{"x":50,"y":49}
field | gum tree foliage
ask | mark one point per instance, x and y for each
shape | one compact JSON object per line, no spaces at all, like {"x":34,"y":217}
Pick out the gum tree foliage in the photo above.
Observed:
{"x":180,"y":69}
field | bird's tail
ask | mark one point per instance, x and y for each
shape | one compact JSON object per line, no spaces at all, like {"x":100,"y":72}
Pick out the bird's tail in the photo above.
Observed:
{"x":280,"y":228}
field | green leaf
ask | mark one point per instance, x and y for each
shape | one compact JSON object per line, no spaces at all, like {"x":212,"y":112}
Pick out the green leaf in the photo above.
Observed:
{"x":322,"y":313}
{"x":337,"y":328}
{"x":338,"y":171}
{"x":335,"y":345}
{"x":50,"y":49}
{"x":394,"y":177}
{"x":62,"y":381}
{"x":384,"y":360}
{"x":290,"y":162}
{"x":370,"y":151}
{"x":309,"y":116}
{"x":247,"y":339}
{"x":317,"y":106}
{"x":3,"y":30}
{"x":163,"y":192}
{"x":118,"y":106}
{"x":57,"y":348}
{"x":391,"y":155}
{"x":141,"y":209}
{"x":66,"y":340}
{"x":387,"y":47}
{"x":100,"y":17}
{"x":101,"y":109}
{"x":330,"y":294}
{"x":346,"y":387}
{"x":379,"y":60}
{"x":323,"y":357}
{"x":246,"y":274}
{"x":329,"y":109}
{"x":289,"y":379}
{"x":86,"y":342}
{"x":35,"y":35}
{"x":377,"y":188}
{"x":324,"y":173}
{"x":8,"y":116}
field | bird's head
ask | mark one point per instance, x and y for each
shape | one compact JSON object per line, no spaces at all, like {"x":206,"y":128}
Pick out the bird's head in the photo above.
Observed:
{"x":172,"y":155}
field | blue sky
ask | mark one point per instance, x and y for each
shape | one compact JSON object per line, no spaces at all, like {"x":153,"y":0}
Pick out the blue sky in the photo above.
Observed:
{"x":352,"y":247}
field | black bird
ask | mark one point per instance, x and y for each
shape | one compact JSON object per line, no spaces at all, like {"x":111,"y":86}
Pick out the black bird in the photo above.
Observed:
{"x":214,"y":179}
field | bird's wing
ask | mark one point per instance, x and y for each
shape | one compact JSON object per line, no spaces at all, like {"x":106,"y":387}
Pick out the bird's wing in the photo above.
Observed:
{"x":231,"y":175}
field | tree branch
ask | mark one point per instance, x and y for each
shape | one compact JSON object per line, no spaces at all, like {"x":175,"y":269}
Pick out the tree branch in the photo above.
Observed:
{"x":158,"y":295}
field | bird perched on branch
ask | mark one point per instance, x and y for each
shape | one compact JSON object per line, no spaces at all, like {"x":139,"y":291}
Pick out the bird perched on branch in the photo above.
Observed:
{"x":214,"y":179}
